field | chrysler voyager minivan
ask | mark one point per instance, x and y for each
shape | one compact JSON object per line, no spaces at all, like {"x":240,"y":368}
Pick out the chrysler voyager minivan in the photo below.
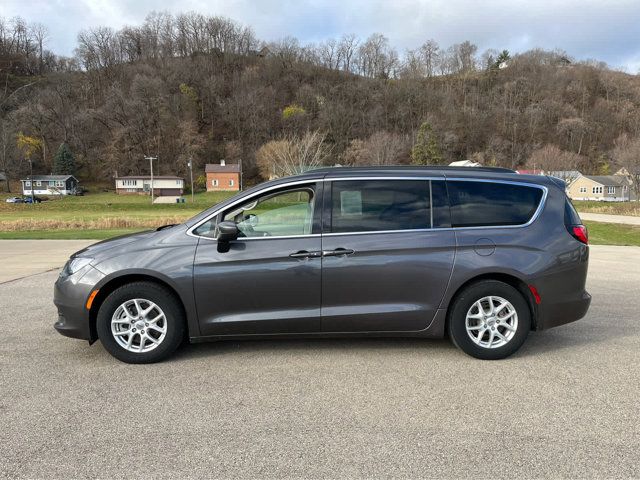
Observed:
{"x":483,"y":255}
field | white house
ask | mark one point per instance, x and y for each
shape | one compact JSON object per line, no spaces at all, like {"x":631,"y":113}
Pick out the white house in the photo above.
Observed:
{"x":50,"y":185}
{"x":163,"y":185}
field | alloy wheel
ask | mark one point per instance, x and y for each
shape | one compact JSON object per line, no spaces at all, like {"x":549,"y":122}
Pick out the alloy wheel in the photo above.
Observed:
{"x":491,"y":322}
{"x":139,"y":325}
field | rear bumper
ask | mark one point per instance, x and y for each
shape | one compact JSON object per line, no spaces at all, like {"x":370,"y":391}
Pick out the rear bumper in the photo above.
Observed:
{"x":562,"y":312}
{"x":70,"y":295}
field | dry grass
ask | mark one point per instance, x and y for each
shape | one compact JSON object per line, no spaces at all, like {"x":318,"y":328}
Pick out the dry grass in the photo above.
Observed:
{"x":610,"y":208}
{"x":106,"y":223}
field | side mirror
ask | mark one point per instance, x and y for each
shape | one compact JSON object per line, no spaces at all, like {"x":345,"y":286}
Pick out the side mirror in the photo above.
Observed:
{"x":227,"y":231}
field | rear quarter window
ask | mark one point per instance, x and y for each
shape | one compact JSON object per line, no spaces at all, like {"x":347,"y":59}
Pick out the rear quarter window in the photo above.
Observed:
{"x":480,"y":204}
{"x":571,"y":216}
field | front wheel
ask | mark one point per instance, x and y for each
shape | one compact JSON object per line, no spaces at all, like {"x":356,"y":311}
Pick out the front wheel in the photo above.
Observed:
{"x":141,"y":322}
{"x":489,"y":320}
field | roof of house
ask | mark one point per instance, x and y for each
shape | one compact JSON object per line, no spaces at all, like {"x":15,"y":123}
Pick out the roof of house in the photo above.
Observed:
{"x":46,"y":178}
{"x":148,"y":177}
{"x":464,"y":163}
{"x":217,"y":168}
{"x":565,"y":173}
{"x":607,"y":180}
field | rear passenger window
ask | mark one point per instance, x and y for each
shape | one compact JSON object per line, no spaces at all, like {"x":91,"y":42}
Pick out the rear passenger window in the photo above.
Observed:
{"x":377,"y":205}
{"x":476,"y":204}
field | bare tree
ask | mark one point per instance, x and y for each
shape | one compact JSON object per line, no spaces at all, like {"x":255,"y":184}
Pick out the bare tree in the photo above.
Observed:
{"x":381,"y":148}
{"x":347,"y":48}
{"x":626,"y":153}
{"x":293,"y":155}
{"x":430,"y":55}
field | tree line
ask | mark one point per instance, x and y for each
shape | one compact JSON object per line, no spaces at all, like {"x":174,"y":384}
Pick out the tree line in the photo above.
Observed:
{"x":191,"y":86}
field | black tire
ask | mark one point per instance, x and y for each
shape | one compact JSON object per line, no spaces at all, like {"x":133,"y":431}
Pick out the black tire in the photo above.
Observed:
{"x":463,"y":303}
{"x":164,"y":299}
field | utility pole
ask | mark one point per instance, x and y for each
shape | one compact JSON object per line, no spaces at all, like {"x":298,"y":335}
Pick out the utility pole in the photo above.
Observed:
{"x":191,"y":174}
{"x":151,"y":159}
{"x":32,"y":182}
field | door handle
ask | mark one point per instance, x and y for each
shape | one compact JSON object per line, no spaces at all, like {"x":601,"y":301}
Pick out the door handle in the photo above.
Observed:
{"x":337,"y":252}
{"x":305,"y":254}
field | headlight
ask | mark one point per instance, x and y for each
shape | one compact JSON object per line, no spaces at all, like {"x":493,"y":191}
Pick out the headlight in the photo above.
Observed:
{"x":75,"y":265}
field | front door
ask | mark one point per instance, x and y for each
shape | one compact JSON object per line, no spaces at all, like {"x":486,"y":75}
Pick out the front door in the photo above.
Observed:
{"x":267,"y":281}
{"x":385,"y":266}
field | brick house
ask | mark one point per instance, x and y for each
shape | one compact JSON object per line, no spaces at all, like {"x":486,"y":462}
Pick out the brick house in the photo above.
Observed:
{"x":222,"y":176}
{"x":163,"y":185}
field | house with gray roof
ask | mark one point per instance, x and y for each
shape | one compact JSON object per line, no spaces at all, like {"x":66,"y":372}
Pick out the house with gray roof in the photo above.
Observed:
{"x":50,"y":185}
{"x":605,"y":188}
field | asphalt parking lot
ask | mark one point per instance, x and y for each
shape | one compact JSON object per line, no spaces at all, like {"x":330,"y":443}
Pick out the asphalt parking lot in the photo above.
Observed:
{"x":567,"y":405}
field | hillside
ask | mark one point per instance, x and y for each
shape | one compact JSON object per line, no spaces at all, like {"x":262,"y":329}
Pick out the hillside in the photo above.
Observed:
{"x":116,"y":102}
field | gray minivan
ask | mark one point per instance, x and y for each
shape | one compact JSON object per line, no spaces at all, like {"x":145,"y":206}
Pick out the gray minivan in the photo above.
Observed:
{"x":482,"y":254}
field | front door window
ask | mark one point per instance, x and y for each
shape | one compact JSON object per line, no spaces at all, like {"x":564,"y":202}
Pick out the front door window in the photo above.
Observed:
{"x":280,"y":214}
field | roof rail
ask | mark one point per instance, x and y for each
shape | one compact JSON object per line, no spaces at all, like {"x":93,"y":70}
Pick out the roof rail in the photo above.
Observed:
{"x":414,"y":167}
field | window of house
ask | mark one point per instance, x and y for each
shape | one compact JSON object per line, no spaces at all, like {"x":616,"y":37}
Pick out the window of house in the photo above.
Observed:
{"x":231,"y":183}
{"x":59,"y":183}
{"x":379,"y":205}
{"x":583,"y":189}
{"x":596,"y":189}
{"x":475,"y":204}
{"x":611,"y":190}
{"x":27,"y":183}
{"x":214,"y":182}
{"x":38,"y":183}
{"x":131,"y":189}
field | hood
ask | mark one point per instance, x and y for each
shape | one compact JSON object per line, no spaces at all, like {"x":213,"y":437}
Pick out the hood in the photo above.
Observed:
{"x":99,"y":249}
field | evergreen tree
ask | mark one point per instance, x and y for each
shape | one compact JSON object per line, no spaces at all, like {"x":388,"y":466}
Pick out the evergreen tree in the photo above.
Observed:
{"x":63,"y":162}
{"x":426,"y":150}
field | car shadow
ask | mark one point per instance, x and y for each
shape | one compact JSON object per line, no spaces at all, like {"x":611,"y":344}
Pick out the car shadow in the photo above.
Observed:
{"x":572,"y":336}
{"x":305,"y":345}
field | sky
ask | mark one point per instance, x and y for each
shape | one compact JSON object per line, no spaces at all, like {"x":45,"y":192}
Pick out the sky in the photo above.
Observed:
{"x":604,"y":30}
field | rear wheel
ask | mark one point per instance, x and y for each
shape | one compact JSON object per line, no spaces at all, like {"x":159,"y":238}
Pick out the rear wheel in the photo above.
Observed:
{"x":489,"y":320}
{"x":141,"y":322}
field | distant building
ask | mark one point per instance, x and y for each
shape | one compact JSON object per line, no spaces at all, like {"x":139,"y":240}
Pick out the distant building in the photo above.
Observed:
{"x":263,"y":52}
{"x":163,"y":185}
{"x":535,"y":171}
{"x":222,"y":177}
{"x":50,"y":185}
{"x":464,"y":163}
{"x":631,"y":176}
{"x":567,"y":176}
{"x":606,"y":188}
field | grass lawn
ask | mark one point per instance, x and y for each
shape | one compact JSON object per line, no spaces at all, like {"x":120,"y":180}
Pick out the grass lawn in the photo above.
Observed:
{"x":613,"y":234}
{"x":610,"y":208}
{"x":98,"y":212}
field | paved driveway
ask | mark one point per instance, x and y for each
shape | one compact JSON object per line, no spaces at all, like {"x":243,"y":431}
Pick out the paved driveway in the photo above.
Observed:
{"x":21,"y":258}
{"x":606,"y":218}
{"x":565,"y":406}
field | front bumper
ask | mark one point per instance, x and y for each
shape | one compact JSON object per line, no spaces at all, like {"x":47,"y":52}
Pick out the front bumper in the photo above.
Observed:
{"x":70,"y":296}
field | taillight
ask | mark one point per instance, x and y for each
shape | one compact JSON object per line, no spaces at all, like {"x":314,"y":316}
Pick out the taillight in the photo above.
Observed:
{"x":580,"y":233}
